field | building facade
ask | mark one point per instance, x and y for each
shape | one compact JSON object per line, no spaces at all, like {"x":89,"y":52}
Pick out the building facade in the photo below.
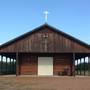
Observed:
{"x":45,"y":51}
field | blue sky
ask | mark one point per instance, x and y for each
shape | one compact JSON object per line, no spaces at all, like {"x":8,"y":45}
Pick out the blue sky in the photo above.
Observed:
{"x":20,"y":16}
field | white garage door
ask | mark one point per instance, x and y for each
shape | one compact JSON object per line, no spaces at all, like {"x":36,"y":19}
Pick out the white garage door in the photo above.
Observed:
{"x":45,"y":65}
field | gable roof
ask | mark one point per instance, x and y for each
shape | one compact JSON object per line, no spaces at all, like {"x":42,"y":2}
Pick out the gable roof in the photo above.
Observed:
{"x":40,"y":27}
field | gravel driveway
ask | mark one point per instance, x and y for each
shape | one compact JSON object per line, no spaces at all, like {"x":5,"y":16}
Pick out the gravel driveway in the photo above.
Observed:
{"x":44,"y":83}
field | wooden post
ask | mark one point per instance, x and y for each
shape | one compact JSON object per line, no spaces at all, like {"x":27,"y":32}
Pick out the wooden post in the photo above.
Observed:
{"x":6,"y":65}
{"x":89,"y":64}
{"x":13,"y":65}
{"x":77,"y":66}
{"x":17,"y":64}
{"x":84,"y":67}
{"x":73,"y":64}
{"x":80,"y":67}
{"x":10,"y":65}
{"x":1,"y":64}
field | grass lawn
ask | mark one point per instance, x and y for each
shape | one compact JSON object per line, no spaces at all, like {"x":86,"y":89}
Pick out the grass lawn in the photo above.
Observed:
{"x":44,"y":83}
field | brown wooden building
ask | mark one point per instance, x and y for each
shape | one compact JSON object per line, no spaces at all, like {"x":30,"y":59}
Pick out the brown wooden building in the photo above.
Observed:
{"x":44,"y":51}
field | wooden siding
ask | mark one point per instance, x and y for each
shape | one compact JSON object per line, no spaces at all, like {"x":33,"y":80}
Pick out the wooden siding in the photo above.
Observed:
{"x":61,"y":62}
{"x":28,"y":64}
{"x":56,"y":43}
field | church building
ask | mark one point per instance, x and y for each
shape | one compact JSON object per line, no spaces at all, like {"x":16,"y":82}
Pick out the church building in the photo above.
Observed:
{"x":44,"y":50}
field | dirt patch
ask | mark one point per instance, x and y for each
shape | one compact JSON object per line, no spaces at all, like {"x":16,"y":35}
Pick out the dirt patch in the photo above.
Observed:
{"x":44,"y":83}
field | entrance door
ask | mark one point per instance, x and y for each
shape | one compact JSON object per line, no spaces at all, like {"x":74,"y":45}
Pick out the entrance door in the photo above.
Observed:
{"x":45,"y":65}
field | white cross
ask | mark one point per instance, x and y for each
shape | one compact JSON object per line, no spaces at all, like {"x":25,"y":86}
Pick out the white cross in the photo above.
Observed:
{"x":46,"y":15}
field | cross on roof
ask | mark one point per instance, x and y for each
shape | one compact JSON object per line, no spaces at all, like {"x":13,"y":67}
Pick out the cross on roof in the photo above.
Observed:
{"x":46,"y":15}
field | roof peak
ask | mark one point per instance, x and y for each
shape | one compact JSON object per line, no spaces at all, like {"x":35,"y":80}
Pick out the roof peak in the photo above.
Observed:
{"x":46,"y":24}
